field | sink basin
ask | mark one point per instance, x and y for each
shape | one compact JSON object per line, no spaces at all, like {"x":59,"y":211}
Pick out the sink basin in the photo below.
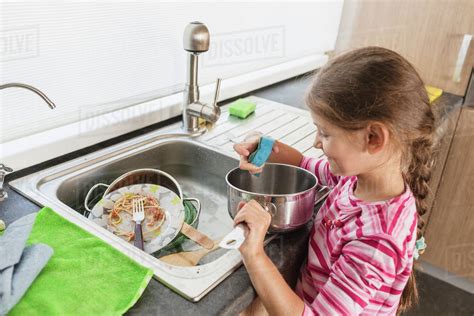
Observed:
{"x":198,"y":164}
{"x":199,"y":169}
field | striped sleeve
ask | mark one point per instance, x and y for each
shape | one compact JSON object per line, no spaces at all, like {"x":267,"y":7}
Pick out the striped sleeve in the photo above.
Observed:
{"x":364,"y":267}
{"x":320,"y":168}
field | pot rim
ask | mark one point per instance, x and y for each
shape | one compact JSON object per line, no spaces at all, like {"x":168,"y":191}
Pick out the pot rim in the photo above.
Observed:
{"x":274,"y":195}
{"x":129,"y":173}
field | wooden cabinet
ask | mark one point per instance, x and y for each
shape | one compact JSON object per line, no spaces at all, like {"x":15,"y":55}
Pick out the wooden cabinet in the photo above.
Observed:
{"x":450,"y":230}
{"x":447,"y":122}
{"x":428,"y":33}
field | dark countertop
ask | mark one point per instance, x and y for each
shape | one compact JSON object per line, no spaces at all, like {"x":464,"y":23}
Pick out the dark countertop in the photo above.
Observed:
{"x":236,"y":292}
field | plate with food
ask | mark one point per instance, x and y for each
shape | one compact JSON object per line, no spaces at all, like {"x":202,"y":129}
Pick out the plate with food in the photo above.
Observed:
{"x":164,"y":214}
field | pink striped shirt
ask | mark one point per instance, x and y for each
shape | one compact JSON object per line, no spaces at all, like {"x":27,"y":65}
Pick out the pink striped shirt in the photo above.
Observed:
{"x":360,"y":254}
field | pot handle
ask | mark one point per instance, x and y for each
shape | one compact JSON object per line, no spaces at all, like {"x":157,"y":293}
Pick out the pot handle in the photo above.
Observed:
{"x":270,"y":208}
{"x":86,"y":200}
{"x":198,"y":208}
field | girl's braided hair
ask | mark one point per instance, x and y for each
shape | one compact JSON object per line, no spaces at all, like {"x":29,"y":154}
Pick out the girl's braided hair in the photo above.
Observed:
{"x":376,"y":84}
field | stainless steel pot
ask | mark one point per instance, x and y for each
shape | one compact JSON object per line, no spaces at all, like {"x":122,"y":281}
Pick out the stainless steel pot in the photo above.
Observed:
{"x":286,"y":192}
{"x":139,"y":176}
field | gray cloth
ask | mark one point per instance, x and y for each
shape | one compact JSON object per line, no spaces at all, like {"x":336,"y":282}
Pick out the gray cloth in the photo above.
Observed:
{"x":19,"y":266}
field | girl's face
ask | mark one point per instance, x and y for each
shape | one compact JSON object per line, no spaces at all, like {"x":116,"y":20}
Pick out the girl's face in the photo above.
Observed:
{"x":346,"y":151}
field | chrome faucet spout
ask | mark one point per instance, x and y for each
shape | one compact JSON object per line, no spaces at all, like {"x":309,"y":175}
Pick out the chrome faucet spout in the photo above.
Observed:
{"x":31,"y":88}
{"x":196,"y":41}
{"x":4,"y":170}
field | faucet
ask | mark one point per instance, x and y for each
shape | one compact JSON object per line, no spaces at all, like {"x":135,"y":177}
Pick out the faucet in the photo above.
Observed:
{"x":196,"y":41}
{"x":31,"y":88}
{"x":4,"y":170}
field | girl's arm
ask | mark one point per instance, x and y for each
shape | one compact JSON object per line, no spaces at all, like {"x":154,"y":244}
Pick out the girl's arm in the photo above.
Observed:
{"x":275,"y":294}
{"x":281,"y":153}
{"x":285,"y":154}
{"x":320,"y":168}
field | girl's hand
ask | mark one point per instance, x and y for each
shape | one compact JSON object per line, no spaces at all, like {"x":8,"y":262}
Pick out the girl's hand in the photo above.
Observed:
{"x":245,"y":148}
{"x":257,"y":221}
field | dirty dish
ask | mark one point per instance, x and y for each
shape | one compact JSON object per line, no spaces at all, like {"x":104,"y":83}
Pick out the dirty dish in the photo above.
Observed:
{"x":161,"y":231}
{"x":142,"y":176}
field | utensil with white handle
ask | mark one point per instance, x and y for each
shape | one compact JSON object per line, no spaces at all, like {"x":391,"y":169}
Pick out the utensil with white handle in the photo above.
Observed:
{"x":234,"y":239}
{"x":138,"y":216}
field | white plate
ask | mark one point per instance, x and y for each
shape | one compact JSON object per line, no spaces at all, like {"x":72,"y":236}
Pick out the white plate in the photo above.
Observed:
{"x":169,"y":202}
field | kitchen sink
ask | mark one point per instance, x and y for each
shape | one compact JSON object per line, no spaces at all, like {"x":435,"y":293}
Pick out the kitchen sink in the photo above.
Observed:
{"x":199,"y":169}
{"x":199,"y":164}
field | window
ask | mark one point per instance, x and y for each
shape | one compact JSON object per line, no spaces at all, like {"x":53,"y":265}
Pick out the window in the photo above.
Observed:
{"x":95,"y":58}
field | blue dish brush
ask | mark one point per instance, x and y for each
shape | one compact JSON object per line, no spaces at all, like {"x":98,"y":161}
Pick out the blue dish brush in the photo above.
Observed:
{"x":262,"y":153}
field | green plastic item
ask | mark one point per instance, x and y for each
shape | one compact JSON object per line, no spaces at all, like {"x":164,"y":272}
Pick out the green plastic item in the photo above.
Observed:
{"x":190,"y":214}
{"x":242,"y":108}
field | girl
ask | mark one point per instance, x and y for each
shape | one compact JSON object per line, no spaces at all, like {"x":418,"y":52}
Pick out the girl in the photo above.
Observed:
{"x":375,"y":126}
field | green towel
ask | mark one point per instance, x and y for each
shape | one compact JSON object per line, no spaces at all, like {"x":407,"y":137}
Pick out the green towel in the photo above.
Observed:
{"x":85,"y":276}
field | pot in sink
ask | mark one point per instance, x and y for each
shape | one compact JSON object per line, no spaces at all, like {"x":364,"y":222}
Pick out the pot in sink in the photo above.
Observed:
{"x":287,"y":192}
{"x":141,"y":176}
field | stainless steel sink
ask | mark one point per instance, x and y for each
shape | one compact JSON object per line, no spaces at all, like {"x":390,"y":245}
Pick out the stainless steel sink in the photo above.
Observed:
{"x":199,"y":165}
{"x":198,"y":168}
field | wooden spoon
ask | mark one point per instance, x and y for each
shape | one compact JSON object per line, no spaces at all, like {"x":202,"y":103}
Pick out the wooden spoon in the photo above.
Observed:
{"x":197,"y":236}
{"x":189,"y":258}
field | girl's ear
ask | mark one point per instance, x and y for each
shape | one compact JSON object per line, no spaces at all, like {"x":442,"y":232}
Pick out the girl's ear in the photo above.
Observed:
{"x":377,"y":137}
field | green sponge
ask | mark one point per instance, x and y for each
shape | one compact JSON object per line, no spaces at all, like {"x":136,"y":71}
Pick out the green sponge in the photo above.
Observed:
{"x":242,"y":108}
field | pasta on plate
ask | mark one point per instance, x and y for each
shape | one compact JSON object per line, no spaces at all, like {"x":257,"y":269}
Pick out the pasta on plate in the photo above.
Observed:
{"x":120,"y":218}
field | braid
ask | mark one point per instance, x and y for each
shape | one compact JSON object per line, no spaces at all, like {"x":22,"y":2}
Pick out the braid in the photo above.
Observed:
{"x":417,"y":176}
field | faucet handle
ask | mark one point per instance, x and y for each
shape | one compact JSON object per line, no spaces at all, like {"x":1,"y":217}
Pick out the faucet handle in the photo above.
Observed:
{"x":218,"y":89}
{"x":210,"y":113}
{"x":4,"y":169}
